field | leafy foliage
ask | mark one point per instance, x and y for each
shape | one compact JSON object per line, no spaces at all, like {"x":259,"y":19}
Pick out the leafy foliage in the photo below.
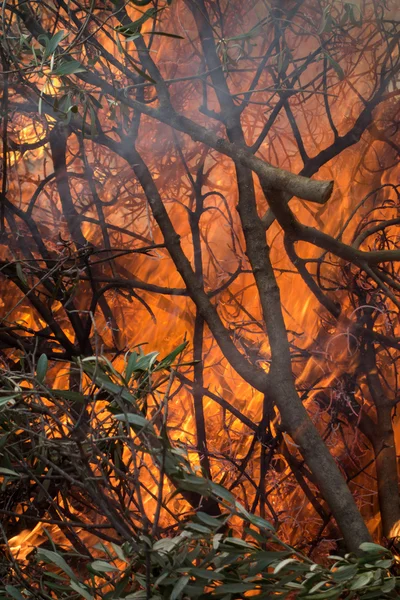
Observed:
{"x":85,"y":461}
{"x":202,"y":556}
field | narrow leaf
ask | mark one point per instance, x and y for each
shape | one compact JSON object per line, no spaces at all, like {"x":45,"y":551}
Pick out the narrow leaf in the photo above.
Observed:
{"x":135,"y":26}
{"x":235,"y":588}
{"x":41,"y":368}
{"x":283,"y":564}
{"x":130,"y":367}
{"x":14,"y":592}
{"x":83,"y":591}
{"x":362,"y":581}
{"x":52,"y":43}
{"x":336,"y":66}
{"x":145,"y":362}
{"x":21,"y":274}
{"x":133,"y":419}
{"x":169,"y":359}
{"x":371,"y":547}
{"x":68,"y":68}
{"x":4,"y":400}
{"x":102,"y":566}
{"x":8,"y":472}
{"x":56,"y":559}
{"x":179,"y":587}
{"x":171,"y":35}
{"x":69,"y":395}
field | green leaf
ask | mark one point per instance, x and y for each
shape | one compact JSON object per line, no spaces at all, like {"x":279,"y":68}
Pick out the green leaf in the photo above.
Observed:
{"x":141,"y":73}
{"x":384,"y":564}
{"x":138,"y":363}
{"x":119,"y":552}
{"x":332,"y":594}
{"x":9,"y":472}
{"x":362,"y":580}
{"x":68,"y":67}
{"x":371,"y":547}
{"x":102,"y":380}
{"x":220,"y":491}
{"x":169,"y":359}
{"x":55,"y":558}
{"x":206,"y":574}
{"x":317,"y":587}
{"x":179,"y":587}
{"x":133,"y":37}
{"x":336,"y":66}
{"x":327,"y":22}
{"x":283,"y":564}
{"x":351,"y":10}
{"x":166,"y":544}
{"x":171,"y":35}
{"x":133,"y":419}
{"x":235,"y":588}
{"x":83,"y":591}
{"x":93,"y":124}
{"x":199,"y":528}
{"x":140,"y":595}
{"x":260,"y":522}
{"x":134,"y":27}
{"x":41,"y":368}
{"x":130,"y":367}
{"x":238,"y":542}
{"x":51,"y":44}
{"x":68,"y":395}
{"x":102,"y":566}
{"x":213,"y":522}
{"x":145,"y":362}
{"x":217,"y":540}
{"x":265,"y":559}
{"x":14,"y":592}
{"x":389,"y":585}
{"x":21,"y":274}
{"x":344,"y":573}
{"x":195,"y":484}
{"x":6,"y":399}
{"x":95,"y":102}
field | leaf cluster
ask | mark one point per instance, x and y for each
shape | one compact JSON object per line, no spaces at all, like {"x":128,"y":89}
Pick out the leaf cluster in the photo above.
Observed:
{"x":202,"y":556}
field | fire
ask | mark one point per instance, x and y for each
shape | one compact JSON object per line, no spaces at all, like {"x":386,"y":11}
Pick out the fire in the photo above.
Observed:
{"x":26,"y":541}
{"x":112,"y":214}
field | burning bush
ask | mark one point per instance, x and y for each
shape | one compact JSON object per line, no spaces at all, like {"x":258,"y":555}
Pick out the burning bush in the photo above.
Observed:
{"x":82,"y":464}
{"x":223,"y":173}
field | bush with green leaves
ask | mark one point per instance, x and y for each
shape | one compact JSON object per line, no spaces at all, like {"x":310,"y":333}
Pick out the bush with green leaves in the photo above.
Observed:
{"x":80,"y":460}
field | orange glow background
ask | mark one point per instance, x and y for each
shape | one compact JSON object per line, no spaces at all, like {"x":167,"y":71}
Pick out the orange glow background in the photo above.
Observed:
{"x":322,"y":350}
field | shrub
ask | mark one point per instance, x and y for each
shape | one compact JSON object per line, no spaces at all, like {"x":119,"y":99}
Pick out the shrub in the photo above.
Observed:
{"x":67,"y":455}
